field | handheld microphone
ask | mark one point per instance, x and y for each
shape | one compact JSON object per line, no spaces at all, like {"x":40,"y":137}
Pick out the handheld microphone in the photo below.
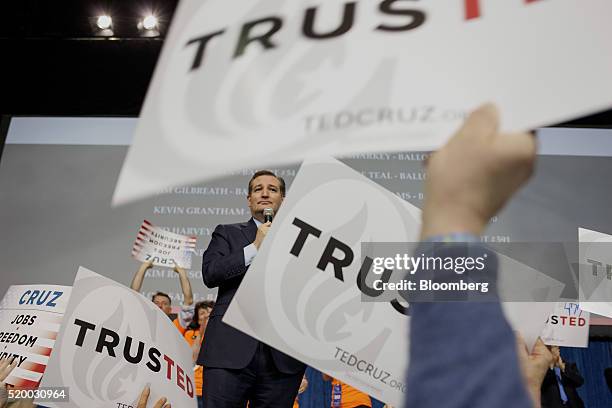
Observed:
{"x":268,"y":214}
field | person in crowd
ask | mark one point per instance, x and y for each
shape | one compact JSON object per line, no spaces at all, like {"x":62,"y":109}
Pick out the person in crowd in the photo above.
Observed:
{"x":303,"y":386}
{"x":560,"y":383}
{"x":464,"y":354}
{"x":163,"y":301}
{"x":237,"y":368}
{"x":194,"y":337}
{"x":534,"y":366}
{"x":345,"y":396}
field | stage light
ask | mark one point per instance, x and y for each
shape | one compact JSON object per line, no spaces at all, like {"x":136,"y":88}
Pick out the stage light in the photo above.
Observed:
{"x":149,"y":26}
{"x":104,"y":22}
{"x":101,"y":25}
{"x":149,"y":22}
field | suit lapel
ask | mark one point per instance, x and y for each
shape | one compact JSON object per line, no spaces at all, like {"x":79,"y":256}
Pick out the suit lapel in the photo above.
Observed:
{"x":249,"y":230}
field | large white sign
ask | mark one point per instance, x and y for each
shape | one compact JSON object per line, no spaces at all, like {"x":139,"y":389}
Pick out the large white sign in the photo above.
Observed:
{"x":528,"y":318}
{"x":112,"y":342}
{"x":251,"y":85}
{"x":567,"y":326}
{"x":595,"y":271}
{"x":30,"y":319}
{"x":163,"y":248}
{"x":298,"y":301}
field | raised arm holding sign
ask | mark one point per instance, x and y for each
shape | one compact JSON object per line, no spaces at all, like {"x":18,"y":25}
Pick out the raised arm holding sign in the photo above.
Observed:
{"x":163,"y":301}
{"x":469,"y":357}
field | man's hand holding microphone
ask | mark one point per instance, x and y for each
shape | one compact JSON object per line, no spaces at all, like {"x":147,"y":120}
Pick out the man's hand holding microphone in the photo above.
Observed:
{"x":262,"y":230}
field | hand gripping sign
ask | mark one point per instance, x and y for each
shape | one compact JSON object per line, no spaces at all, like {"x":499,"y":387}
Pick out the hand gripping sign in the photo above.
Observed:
{"x":163,"y":248}
{"x":111,"y":343}
{"x":277,"y":82}
{"x":30,"y":318}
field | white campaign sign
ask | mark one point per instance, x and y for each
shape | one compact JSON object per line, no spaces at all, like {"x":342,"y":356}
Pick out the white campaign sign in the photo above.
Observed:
{"x":30,"y":319}
{"x":163,"y":248}
{"x":251,"y":85}
{"x":528,"y":318}
{"x":286,"y":301}
{"x":567,"y":326}
{"x":113,"y":342}
{"x":595,"y":271}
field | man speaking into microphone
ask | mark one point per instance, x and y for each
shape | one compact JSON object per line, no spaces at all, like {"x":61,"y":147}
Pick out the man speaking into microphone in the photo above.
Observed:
{"x":237,"y":368}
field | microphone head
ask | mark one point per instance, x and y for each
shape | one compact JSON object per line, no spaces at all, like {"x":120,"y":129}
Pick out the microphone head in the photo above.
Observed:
{"x":268,"y":214}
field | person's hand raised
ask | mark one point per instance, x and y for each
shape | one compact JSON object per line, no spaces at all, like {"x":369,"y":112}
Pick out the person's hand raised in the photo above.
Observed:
{"x":473,"y":176}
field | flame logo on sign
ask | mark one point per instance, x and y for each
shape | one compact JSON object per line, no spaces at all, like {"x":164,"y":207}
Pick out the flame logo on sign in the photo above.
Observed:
{"x":102,"y":378}
{"x":313,"y":304}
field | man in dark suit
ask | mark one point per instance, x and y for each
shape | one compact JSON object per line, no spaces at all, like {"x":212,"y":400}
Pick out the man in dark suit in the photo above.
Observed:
{"x":237,"y":368}
{"x":560,"y":383}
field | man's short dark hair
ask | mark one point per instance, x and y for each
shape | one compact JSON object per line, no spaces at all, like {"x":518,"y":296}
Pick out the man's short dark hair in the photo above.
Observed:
{"x":268,"y":173}
{"x":163,"y":295}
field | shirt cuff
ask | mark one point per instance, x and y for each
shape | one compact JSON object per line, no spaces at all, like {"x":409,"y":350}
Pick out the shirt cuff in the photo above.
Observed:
{"x":249,"y":253}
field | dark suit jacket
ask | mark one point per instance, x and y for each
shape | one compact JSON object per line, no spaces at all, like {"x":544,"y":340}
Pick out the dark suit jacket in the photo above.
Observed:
{"x":223,"y":267}
{"x":571,"y":379}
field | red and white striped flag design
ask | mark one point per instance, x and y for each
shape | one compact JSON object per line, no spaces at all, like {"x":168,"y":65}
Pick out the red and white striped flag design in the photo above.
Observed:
{"x":162,"y":247}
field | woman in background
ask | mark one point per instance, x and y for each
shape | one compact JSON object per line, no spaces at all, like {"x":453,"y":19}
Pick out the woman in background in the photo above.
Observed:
{"x":195,"y":336}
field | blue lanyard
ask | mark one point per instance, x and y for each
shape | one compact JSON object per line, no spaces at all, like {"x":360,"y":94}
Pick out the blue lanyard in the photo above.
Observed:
{"x":336,"y":395}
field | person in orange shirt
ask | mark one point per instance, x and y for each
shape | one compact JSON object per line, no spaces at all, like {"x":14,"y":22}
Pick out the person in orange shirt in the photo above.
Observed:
{"x":303,"y":386}
{"x":163,"y":301}
{"x":194,"y":335}
{"x":345,"y":396}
